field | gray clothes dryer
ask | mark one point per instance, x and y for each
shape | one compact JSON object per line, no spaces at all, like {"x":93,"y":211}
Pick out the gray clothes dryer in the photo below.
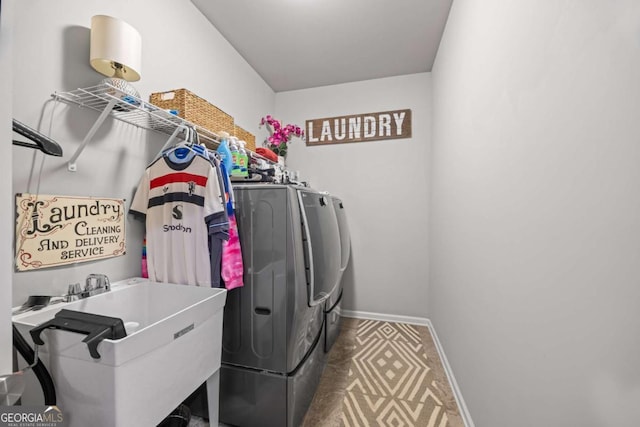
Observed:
{"x":332,"y":308}
{"x":273,"y":355}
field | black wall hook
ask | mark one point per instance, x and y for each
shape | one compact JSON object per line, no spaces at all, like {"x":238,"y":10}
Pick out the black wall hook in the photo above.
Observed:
{"x":42,"y":142}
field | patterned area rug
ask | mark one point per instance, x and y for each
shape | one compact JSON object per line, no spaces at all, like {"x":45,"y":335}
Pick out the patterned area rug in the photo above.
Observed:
{"x":390,"y":382}
{"x":389,"y":379}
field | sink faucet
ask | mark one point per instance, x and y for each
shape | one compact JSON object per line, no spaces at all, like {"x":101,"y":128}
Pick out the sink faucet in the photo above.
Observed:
{"x":97,"y":282}
{"x":94,"y":285}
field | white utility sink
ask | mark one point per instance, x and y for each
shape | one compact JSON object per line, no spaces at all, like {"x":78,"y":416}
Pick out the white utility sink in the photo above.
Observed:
{"x":173,"y":345}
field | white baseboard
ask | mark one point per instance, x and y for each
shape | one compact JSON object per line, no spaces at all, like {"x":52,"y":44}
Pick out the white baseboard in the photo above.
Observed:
{"x":464,"y":411}
{"x":421,"y":321}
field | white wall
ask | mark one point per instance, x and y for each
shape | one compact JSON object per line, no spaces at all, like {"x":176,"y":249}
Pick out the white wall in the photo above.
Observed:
{"x":180,"y":50}
{"x":383,"y":185}
{"x":535,"y":223}
{"x":6,"y":218}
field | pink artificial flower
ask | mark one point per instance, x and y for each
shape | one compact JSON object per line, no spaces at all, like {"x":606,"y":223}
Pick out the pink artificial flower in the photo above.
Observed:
{"x":280,"y":135}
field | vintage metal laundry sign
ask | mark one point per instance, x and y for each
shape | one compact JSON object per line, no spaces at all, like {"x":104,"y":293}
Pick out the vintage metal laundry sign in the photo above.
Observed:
{"x":58,"y":230}
{"x":359,"y":127}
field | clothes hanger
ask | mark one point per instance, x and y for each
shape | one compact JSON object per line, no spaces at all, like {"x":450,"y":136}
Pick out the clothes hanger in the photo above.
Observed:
{"x":214,"y":154}
{"x":41,"y":142}
{"x":184,"y":151}
{"x":199,"y":146}
{"x":172,"y":137}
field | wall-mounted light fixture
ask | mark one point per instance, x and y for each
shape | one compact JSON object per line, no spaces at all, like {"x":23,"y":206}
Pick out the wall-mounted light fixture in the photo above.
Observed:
{"x":116,"y":52}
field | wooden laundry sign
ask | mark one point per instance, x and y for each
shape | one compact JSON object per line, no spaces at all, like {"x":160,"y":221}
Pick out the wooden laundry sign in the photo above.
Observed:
{"x":59,"y":230}
{"x":359,"y":127}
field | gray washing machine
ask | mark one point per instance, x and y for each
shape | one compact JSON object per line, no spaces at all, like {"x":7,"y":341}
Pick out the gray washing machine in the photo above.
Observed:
{"x":333,"y":303}
{"x":273,"y":329}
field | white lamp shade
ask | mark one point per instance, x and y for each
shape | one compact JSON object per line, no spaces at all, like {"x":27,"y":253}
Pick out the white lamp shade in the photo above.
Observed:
{"x":115,"y":41}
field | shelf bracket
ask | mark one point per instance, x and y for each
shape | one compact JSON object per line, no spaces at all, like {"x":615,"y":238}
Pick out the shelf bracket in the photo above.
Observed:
{"x":71,"y":166}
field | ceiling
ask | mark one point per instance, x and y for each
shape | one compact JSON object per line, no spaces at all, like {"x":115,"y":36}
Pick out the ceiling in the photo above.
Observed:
{"x":299,"y":44}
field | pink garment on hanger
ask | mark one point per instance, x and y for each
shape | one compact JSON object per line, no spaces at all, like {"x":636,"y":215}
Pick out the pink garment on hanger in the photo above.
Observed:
{"x":145,"y":269}
{"x":232,"y":266}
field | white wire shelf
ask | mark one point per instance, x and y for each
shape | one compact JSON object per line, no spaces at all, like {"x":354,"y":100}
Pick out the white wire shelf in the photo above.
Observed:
{"x":111,"y":101}
{"x":130,"y":109}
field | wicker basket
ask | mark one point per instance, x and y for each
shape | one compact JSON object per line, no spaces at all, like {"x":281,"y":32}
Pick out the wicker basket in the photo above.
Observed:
{"x":246,"y":136}
{"x":194,"y":109}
